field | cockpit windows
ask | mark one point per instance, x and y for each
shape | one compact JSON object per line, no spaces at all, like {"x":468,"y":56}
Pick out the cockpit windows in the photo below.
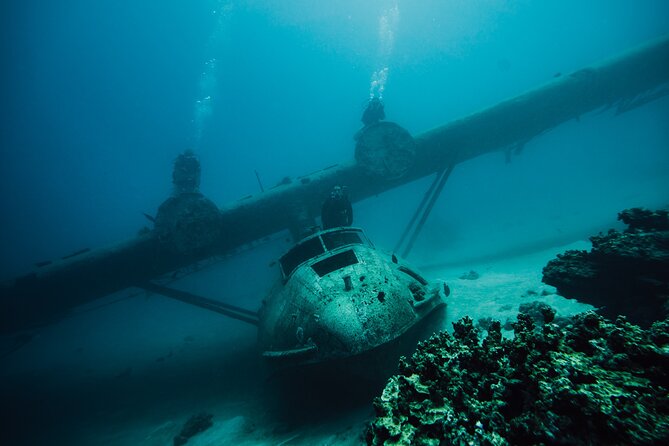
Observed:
{"x":313,"y":247}
{"x":334,"y":240}
{"x":335,"y":262}
{"x":300,"y":254}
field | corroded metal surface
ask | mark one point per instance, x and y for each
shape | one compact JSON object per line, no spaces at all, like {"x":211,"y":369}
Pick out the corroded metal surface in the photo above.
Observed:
{"x":385,"y":150}
{"x":343,"y":302}
{"x":188,"y":224}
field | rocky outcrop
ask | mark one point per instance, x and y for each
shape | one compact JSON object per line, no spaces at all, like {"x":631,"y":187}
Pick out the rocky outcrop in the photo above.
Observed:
{"x":195,"y":424}
{"x":594,"y":382}
{"x":624,"y":273}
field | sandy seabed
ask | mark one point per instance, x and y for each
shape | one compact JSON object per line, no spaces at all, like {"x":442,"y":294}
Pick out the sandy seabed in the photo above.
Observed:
{"x":127,"y":399}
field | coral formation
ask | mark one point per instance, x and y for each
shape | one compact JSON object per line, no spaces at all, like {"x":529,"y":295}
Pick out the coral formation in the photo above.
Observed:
{"x":645,"y":220}
{"x":625,"y":272}
{"x":594,"y":382}
{"x":541,"y":312}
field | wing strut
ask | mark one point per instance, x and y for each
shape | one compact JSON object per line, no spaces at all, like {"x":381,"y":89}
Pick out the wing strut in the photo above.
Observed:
{"x":423,"y":210}
{"x":241,"y":314}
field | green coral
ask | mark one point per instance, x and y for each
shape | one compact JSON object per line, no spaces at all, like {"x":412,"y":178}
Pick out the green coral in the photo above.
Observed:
{"x":595,"y":382}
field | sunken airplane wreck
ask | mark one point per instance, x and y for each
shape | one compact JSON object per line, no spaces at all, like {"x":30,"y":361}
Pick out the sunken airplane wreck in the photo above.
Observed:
{"x":338,"y":298}
{"x":296,"y":316}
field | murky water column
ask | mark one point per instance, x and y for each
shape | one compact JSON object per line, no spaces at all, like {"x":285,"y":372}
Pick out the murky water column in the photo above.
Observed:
{"x":387,"y":26}
{"x":208,"y":84}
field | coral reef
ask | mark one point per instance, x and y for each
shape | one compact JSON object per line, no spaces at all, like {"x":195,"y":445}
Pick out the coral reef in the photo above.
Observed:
{"x":625,"y":272}
{"x":538,"y":311}
{"x":594,"y":382}
{"x":645,"y":220}
{"x":541,"y":312}
{"x":195,"y":424}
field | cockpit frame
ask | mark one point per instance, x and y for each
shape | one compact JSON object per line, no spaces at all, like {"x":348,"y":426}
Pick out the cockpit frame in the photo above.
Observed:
{"x":322,"y":244}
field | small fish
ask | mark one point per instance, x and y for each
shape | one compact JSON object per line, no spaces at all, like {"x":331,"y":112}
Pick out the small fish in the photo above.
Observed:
{"x":149,"y":217}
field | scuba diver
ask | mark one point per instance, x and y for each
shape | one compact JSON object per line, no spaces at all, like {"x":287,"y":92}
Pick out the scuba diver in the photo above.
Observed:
{"x":337,"y":210}
{"x":186,"y":173}
{"x":374,"y":112}
{"x":187,"y":222}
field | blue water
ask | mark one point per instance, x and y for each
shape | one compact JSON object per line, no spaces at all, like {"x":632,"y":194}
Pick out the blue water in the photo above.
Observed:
{"x":99,"y":98}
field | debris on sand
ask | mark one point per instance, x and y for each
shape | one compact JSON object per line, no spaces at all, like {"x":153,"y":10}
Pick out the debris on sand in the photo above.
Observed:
{"x":471,"y":275}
